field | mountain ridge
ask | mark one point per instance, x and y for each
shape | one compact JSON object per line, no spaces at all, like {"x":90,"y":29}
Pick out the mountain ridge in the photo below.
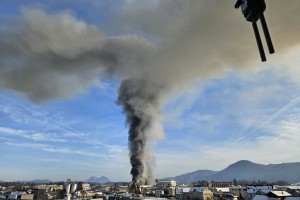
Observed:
{"x":245,"y":170}
{"x":36,"y":181}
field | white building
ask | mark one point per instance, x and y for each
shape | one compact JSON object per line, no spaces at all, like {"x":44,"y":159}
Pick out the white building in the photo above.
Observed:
{"x":239,"y":191}
{"x":182,"y":190}
{"x":224,"y":190}
{"x":165,"y":188}
{"x":169,"y":183}
{"x":252,"y":189}
{"x":86,"y":186}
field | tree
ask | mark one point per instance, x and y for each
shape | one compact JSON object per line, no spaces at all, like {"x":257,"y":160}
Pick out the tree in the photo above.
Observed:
{"x":235,"y":183}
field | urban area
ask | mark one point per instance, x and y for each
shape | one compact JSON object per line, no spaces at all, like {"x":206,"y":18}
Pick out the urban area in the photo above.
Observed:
{"x":167,"y":189}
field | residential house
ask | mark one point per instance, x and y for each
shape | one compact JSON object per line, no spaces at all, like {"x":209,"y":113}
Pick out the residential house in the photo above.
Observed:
{"x":201,"y":193}
{"x":253,"y":190}
{"x":183,"y":193}
{"x":239,"y":191}
{"x":165,"y":188}
{"x":294,"y":190}
{"x":278,"y":195}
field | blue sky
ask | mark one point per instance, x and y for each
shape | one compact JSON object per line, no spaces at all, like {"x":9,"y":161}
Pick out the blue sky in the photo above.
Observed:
{"x":214,"y":121}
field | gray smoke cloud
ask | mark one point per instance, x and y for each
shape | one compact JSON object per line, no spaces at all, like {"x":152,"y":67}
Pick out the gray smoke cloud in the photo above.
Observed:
{"x":140,"y":100}
{"x":54,"y":56}
{"x":44,"y":56}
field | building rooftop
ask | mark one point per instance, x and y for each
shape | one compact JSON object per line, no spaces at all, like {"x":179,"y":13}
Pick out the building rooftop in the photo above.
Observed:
{"x":279,"y":193}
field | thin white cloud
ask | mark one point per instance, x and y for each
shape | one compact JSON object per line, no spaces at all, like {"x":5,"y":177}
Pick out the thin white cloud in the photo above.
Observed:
{"x":50,"y":160}
{"x":13,"y":115}
{"x":5,"y":130}
{"x":38,"y":136}
{"x":178,"y":105}
{"x":282,"y":111}
{"x":262,"y":122}
{"x":5,"y":139}
{"x":64,"y":150}
{"x":110,"y":148}
{"x":33,"y":135}
{"x":30,"y":145}
{"x":75,"y":134}
{"x":30,"y":114}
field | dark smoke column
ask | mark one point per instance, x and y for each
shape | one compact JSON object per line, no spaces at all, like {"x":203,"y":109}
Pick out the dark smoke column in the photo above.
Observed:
{"x":140,"y":103}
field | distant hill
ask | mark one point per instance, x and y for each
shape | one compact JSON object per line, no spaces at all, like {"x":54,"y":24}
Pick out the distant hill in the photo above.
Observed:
{"x":240,"y":170}
{"x":289,"y":172}
{"x":36,"y":181}
{"x":101,"y":179}
{"x":40,"y":181}
{"x":246,"y":170}
{"x":192,"y":176}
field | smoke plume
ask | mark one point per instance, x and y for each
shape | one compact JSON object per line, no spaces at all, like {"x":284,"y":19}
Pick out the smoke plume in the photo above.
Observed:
{"x":44,"y":56}
{"x":140,"y":101}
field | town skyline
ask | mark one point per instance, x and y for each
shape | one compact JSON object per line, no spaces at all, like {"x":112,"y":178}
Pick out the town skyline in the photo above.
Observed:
{"x":216,"y":102}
